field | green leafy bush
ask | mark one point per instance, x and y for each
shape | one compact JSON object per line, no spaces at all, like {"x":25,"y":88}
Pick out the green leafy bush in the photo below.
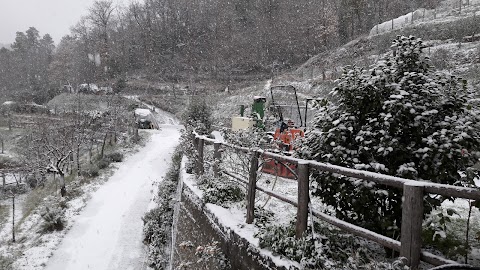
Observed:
{"x":400,"y":118}
{"x":441,"y":59}
{"x":6,"y":263}
{"x":221,"y":191}
{"x":157,"y":222}
{"x":115,"y":157}
{"x":52,"y":219}
{"x":103,"y":163}
{"x":198,"y":117}
{"x":90,"y":172}
{"x":326,"y":249}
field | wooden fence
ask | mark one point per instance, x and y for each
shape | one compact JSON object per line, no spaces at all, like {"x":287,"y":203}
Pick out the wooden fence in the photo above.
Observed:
{"x":410,"y":242}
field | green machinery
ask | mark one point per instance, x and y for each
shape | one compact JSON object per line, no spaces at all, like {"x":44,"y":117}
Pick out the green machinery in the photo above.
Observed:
{"x":254,"y":120}
{"x":258,"y":111}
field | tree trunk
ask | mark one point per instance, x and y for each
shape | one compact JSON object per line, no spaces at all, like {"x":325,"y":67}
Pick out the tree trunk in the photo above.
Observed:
{"x":63,"y":189}
{"x":13,"y":218}
{"x":90,"y":149}
{"x":103,"y":144}
{"x":78,"y":159}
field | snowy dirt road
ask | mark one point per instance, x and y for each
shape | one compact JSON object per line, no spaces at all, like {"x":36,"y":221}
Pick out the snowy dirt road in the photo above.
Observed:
{"x":108,"y":233}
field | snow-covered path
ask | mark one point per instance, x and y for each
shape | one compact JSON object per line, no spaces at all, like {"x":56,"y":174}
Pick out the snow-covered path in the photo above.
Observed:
{"x":108,"y":233}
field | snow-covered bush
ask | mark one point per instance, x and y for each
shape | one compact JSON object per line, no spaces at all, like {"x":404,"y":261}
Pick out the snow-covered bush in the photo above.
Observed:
{"x":90,"y":171}
{"x":115,"y":157}
{"x":53,"y":219}
{"x":103,"y":163}
{"x":210,"y":256}
{"x":327,"y":248}
{"x":401,"y":118}
{"x":157,"y":223}
{"x":211,"y":252}
{"x":196,"y":118}
{"x":441,"y":59}
{"x":6,"y":263}
{"x":221,"y":191}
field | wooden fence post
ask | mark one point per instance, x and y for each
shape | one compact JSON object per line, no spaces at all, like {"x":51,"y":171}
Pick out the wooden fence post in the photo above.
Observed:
{"x":412,"y":218}
{"x":217,"y":156}
{"x":200,"y":145}
{"x":252,"y":185}
{"x":303,"y":198}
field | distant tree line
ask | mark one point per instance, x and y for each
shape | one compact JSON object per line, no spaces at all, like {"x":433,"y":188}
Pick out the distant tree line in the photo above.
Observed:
{"x":178,"y":38}
{"x":24,"y":68}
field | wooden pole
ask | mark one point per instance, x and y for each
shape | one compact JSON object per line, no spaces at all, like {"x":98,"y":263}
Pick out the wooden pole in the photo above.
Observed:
{"x":217,"y":156}
{"x":252,"y":186}
{"x":303,"y":199}
{"x":200,"y":169}
{"x":412,"y":218}
{"x":13,"y":217}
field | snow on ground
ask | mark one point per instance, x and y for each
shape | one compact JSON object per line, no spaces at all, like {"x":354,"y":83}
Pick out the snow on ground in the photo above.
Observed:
{"x":448,"y":11}
{"x":108,"y":232}
{"x":234,"y":219}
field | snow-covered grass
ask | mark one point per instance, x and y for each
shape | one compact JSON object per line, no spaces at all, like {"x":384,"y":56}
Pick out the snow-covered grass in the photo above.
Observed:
{"x":450,"y":238}
{"x":33,"y":247}
{"x":232,"y":218}
{"x":3,"y":215}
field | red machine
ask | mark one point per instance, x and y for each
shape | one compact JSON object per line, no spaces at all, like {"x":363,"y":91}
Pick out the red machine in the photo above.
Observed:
{"x":284,"y":138}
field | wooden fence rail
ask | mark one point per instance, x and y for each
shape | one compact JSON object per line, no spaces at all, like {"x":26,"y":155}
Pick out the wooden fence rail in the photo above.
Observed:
{"x":410,"y":242}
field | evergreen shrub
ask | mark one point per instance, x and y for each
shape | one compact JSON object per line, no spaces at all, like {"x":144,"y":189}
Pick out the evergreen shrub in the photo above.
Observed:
{"x":399,"y":117}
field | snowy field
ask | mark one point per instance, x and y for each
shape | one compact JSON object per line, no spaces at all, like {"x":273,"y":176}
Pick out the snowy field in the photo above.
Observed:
{"x":103,"y":220}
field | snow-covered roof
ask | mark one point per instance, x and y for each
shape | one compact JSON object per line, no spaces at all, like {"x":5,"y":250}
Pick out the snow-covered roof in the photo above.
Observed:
{"x":143,"y":112}
{"x":218,"y":136}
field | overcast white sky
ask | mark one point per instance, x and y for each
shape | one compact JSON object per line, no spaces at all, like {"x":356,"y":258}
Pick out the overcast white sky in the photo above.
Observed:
{"x":54,"y":17}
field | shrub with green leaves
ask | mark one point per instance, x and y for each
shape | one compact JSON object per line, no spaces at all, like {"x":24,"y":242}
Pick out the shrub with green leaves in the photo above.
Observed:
{"x":90,"y":172}
{"x":6,"y":263}
{"x":115,"y":157}
{"x":401,"y":118}
{"x":221,"y":191}
{"x":157,"y":223}
{"x":103,"y":163}
{"x":327,"y":248}
{"x":53,"y":219}
{"x":198,"y":118}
